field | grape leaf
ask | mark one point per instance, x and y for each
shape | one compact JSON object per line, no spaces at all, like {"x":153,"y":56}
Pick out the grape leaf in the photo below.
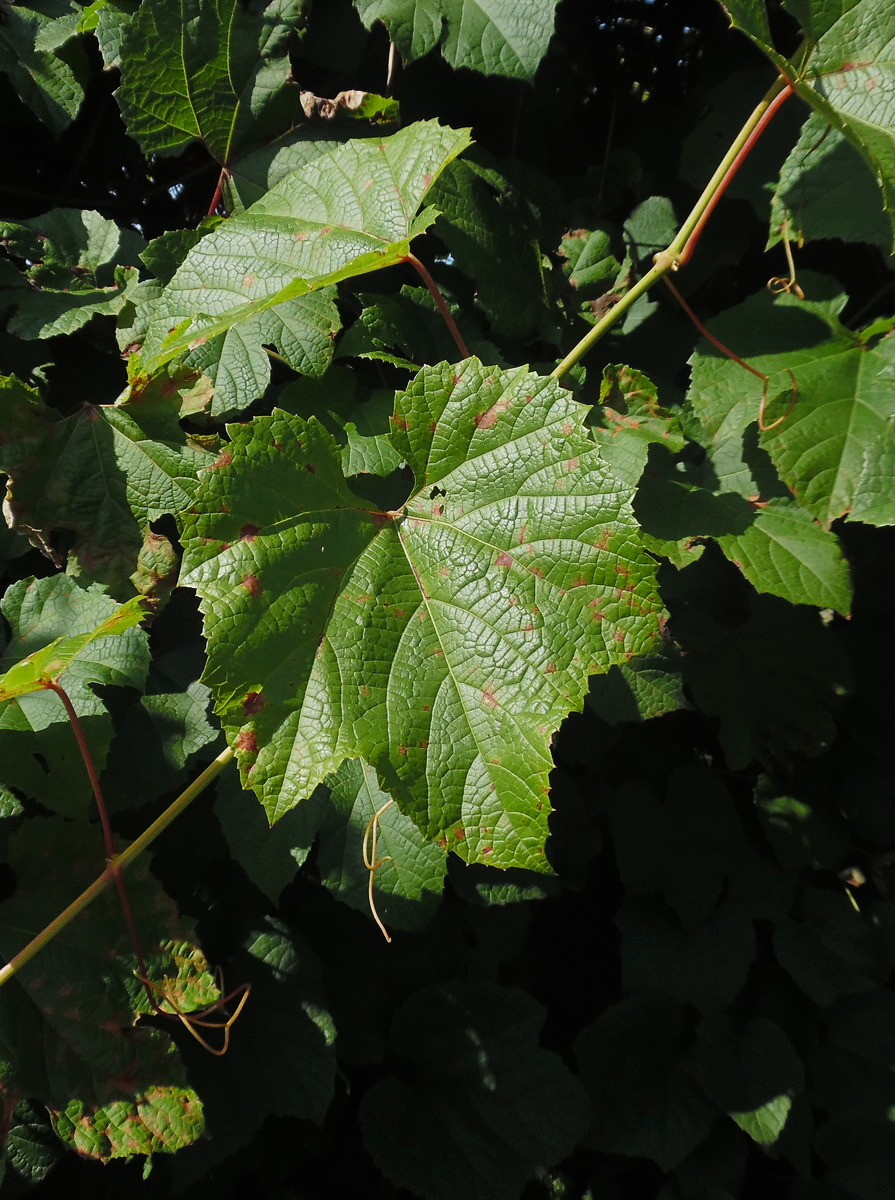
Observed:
{"x":753,"y":1074}
{"x":348,"y":211}
{"x":113,"y":1090}
{"x":848,"y":77}
{"x":214,"y":68}
{"x":443,"y":641}
{"x":480,"y":1105}
{"x":102,"y":473}
{"x":825,"y":190}
{"x":78,"y":265}
{"x":496,"y":37}
{"x":409,"y":882}
{"x":492,"y":234}
{"x":835,"y":446}
{"x":33,"y":673}
{"x":644,"y":1102}
{"x":836,"y":449}
{"x":37,"y":750}
{"x":49,"y":83}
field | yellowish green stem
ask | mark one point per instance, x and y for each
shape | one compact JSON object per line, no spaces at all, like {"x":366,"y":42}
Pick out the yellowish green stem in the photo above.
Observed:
{"x":680,"y":248}
{"x":118,"y":863}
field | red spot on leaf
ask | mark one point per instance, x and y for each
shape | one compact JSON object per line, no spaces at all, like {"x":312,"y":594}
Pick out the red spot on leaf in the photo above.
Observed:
{"x":402,"y":750}
{"x":503,"y":559}
{"x":580,"y":582}
{"x":603,"y":543}
{"x":455,"y":379}
{"x":248,"y":533}
{"x":460,"y":834}
{"x":423,"y":745}
{"x":252,"y":585}
{"x":224,"y":460}
{"x":573,"y":463}
{"x":253,"y":703}
{"x":619,"y":635}
{"x":487,"y":850}
{"x":551,"y":668}
{"x":490,"y":698}
{"x":301,"y":237}
{"x":487,"y":420}
{"x":311,"y":468}
{"x":246,"y":742}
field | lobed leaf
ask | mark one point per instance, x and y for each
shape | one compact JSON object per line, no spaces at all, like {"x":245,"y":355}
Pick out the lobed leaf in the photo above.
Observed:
{"x":214,"y":67}
{"x":38,"y":754}
{"x":480,"y":1106}
{"x":443,"y":641}
{"x":351,"y":209}
{"x":102,"y":473}
{"x":496,"y":37}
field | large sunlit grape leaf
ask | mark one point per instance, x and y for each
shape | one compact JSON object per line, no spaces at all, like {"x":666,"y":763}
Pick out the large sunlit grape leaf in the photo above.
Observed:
{"x":443,"y":641}
{"x":496,"y":37}
{"x":352,"y":209}
{"x":214,"y":67}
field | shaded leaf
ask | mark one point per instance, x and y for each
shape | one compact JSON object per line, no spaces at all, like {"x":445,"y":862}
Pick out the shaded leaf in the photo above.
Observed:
{"x":644,"y":1102}
{"x":752,"y":1073}
{"x":101,"y":474}
{"x":484,"y":1106}
{"x":77,"y":264}
{"x":705,"y":966}
{"x":826,"y":190}
{"x":113,"y":1091}
{"x":282,"y":1051}
{"x":409,"y":882}
{"x":51,"y":84}
{"x":38,"y":752}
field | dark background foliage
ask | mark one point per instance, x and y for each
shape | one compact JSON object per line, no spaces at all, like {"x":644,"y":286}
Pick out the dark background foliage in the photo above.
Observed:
{"x":696,"y":921}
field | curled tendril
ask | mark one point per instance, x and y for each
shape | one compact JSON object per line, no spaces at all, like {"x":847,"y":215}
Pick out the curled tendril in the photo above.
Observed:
{"x":786,"y":284}
{"x":190,"y":1020}
{"x":372,"y":863}
{"x":794,"y":390}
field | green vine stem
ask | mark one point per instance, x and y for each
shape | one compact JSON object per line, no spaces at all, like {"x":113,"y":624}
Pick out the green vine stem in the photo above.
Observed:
{"x":115,"y":865}
{"x":681,"y":248}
